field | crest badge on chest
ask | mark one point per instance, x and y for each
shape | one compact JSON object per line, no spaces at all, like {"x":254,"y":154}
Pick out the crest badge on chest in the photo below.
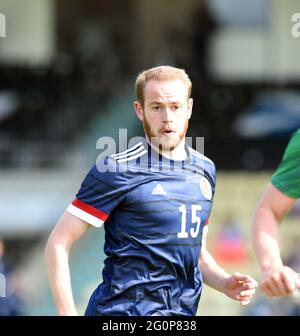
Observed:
{"x":205,"y":188}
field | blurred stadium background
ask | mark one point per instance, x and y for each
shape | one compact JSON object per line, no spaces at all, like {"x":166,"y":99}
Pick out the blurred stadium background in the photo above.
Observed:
{"x":67,"y":70}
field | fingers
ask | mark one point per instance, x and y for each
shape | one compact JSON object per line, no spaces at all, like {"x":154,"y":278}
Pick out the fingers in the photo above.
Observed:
{"x":245,"y":295}
{"x":280,"y":282}
{"x":240,"y":287}
{"x":250,"y":285}
{"x":265,"y":287}
{"x":289,"y":283}
{"x":277,"y":285}
{"x":270,"y":288}
{"x":247,"y":281}
{"x":244,"y":303}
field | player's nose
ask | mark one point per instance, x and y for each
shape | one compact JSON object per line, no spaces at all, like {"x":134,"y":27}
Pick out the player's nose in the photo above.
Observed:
{"x":167,"y":116}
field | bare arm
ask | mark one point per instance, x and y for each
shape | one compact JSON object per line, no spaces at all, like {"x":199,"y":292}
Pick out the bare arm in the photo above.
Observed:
{"x":277,"y":278}
{"x":68,"y":229}
{"x":213,"y":275}
{"x":238,"y":286}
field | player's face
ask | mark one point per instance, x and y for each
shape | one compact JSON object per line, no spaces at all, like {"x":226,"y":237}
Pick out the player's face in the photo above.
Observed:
{"x":165,"y":113}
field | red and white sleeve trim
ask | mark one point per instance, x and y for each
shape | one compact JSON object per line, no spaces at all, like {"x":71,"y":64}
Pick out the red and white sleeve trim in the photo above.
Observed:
{"x":87,"y":213}
{"x":205,"y":228}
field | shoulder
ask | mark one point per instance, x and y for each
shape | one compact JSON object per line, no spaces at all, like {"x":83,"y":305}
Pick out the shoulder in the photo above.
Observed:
{"x":106,"y":171}
{"x":286,"y":177}
{"x":294,"y":143}
{"x":292,"y":151}
{"x":296,"y":134}
{"x":130,"y":154}
{"x":117,"y":164}
{"x":203,"y":161}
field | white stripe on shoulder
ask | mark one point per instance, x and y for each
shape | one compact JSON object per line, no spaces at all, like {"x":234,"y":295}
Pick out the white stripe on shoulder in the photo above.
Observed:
{"x":130,"y":154}
{"x":133,"y":157}
{"x":203,"y":157}
{"x":206,"y":158}
{"x":84,"y":216}
{"x":127,"y":150}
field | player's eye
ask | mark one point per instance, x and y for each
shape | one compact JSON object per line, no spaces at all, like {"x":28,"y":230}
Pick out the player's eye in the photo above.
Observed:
{"x":175,"y":107}
{"x":156,"y":107}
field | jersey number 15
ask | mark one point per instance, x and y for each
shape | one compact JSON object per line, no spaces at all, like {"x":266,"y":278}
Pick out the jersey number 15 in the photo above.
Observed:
{"x":194,"y":232}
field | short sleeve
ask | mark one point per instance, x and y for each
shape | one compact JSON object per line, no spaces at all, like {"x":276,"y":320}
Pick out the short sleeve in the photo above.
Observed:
{"x":211,"y":174}
{"x":287,"y":176}
{"x":99,"y":194}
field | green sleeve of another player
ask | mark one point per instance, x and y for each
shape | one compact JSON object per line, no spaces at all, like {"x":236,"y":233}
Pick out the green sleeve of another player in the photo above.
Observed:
{"x":287,"y":176}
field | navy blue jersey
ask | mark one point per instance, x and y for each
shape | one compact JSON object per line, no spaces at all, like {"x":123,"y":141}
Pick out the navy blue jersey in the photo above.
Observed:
{"x":154,"y":211}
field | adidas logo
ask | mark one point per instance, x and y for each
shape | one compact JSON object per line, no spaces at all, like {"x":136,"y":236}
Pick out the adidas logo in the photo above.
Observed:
{"x":158,"y":190}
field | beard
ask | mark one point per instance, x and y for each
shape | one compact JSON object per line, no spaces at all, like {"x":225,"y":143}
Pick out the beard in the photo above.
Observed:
{"x":161,"y":141}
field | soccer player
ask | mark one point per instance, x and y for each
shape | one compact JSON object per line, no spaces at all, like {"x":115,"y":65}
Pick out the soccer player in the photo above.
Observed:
{"x":279,"y":197}
{"x":154,"y":200}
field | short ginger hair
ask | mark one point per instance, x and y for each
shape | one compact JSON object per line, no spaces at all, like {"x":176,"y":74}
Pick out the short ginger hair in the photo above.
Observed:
{"x":160,"y":73}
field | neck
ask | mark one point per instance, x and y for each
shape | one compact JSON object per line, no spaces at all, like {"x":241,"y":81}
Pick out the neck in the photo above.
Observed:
{"x":178,"y":153}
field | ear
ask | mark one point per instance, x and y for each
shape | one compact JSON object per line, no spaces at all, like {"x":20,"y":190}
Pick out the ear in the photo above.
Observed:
{"x":190,"y":107}
{"x":139,"y":110}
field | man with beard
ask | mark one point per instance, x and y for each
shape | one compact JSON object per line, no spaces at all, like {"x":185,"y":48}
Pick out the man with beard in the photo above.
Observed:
{"x":154,"y":200}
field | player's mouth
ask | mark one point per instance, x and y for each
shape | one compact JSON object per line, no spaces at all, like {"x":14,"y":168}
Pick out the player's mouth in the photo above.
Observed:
{"x":168,"y":131}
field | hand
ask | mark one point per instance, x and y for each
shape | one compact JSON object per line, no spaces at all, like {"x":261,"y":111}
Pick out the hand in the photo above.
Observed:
{"x":280,"y":281}
{"x":240,"y":287}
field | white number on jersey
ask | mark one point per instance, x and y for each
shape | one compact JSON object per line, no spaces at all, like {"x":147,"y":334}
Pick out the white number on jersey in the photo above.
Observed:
{"x":194,"y":232}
